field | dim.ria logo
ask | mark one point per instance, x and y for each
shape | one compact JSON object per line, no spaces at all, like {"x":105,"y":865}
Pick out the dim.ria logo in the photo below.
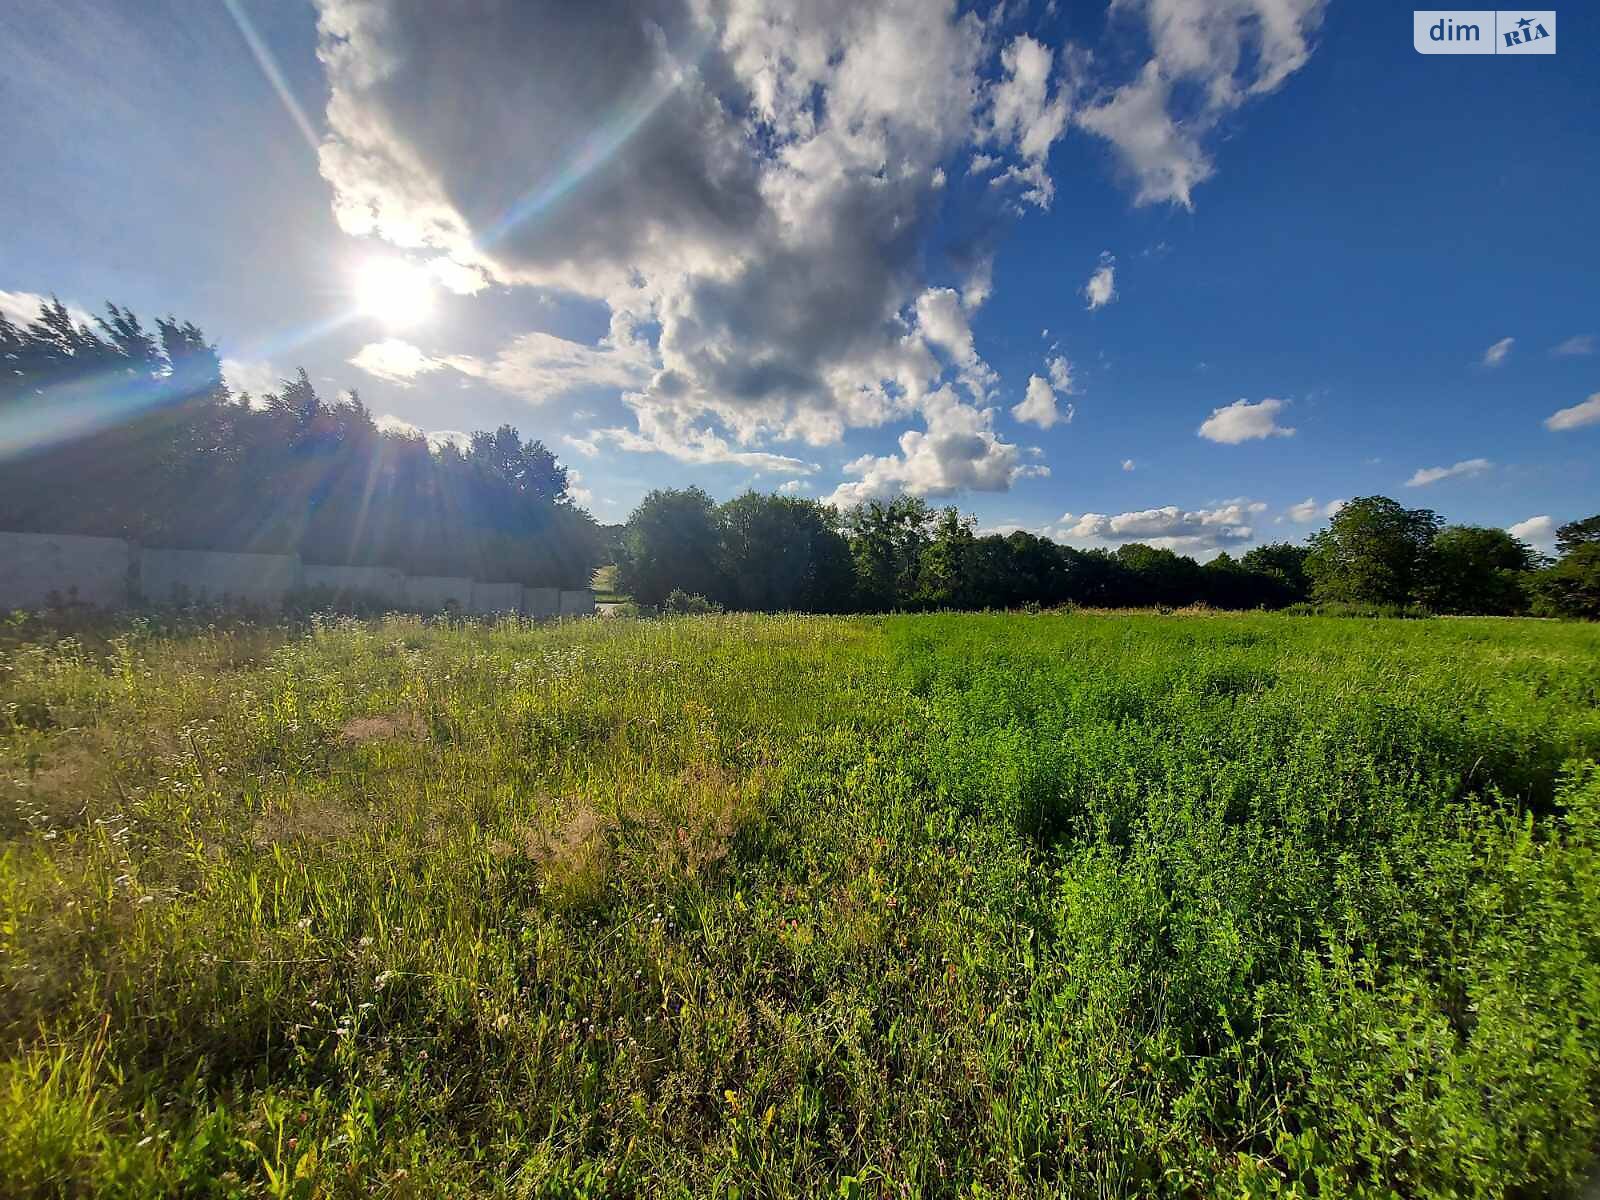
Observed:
{"x":1484,"y":31}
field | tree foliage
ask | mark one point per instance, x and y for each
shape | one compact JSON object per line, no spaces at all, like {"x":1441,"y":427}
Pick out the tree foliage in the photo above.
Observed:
{"x":887,"y":538}
{"x":672,"y":542}
{"x":120,"y":432}
{"x":1577,"y":533}
{"x":1476,"y":569}
{"x":1374,"y":551}
{"x":776,"y":553}
{"x":1571,"y":588}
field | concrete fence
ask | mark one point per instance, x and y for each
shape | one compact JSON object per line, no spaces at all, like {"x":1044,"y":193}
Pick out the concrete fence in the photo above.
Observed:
{"x":76,"y":570}
{"x":209,"y":577}
{"x":38,"y":570}
{"x":384,"y":584}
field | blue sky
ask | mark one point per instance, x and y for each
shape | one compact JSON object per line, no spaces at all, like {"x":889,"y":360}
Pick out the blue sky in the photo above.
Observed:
{"x":848,"y":251}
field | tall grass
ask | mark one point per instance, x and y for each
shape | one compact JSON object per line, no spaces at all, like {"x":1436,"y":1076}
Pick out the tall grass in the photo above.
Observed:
{"x":926,"y":906}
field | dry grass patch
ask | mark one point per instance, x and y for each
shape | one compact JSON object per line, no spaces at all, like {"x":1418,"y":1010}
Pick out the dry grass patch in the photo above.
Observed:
{"x":359,"y":730}
{"x":59,"y":790}
{"x":307,"y":822}
{"x":574,"y":860}
{"x":703,"y":816}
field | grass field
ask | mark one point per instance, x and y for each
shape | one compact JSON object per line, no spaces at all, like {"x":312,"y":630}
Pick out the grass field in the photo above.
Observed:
{"x":1081,"y":905}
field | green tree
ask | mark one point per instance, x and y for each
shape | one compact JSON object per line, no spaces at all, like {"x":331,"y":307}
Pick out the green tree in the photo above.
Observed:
{"x":782,"y":553}
{"x":1571,"y":587}
{"x":1098,"y":578}
{"x":528,"y":467}
{"x":1228,"y":583}
{"x":887,"y":538}
{"x":1577,"y":533}
{"x":1477,"y":569}
{"x":673,"y":540}
{"x":1160,"y":576}
{"x":948,"y":564}
{"x":139,"y":436}
{"x":1374,"y":551}
{"x":1024,"y":568}
{"x":1284,"y":562}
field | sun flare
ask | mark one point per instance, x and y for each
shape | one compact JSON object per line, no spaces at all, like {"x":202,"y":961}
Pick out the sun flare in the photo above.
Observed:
{"x":395,"y":293}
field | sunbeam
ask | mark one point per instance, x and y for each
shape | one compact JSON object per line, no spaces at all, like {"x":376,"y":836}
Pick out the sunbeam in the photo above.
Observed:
{"x":269,"y":68}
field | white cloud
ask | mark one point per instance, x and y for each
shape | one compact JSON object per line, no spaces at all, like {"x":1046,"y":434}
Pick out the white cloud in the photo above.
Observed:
{"x":22,"y":309}
{"x":1579,"y":415}
{"x":583,"y":446}
{"x":1231,"y":523}
{"x":254,"y":376}
{"x":436,"y":439}
{"x":1101,"y":289}
{"x":1026,"y":117}
{"x":1242,"y":421}
{"x":1128,"y":464}
{"x":395,"y":361}
{"x":667,"y":429}
{"x":1163,"y":155}
{"x":941,"y":319}
{"x":1539,"y":532}
{"x":1496,"y":354}
{"x":540,"y":366}
{"x":1573,"y":347}
{"x":576,"y":490}
{"x":440,"y":438}
{"x":1308,"y":510}
{"x":958,"y":452}
{"x":461,"y":278}
{"x":534,"y":366}
{"x":793,"y":487}
{"x":389,"y":423}
{"x":1210,"y":57}
{"x":760,"y":204}
{"x":1038,"y":407}
{"x":979,"y":285}
{"x":1466,"y":467}
{"x":1060,"y":374}
{"x":751,"y":185}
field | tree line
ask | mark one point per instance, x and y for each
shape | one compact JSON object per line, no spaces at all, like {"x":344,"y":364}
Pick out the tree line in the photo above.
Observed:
{"x":681,"y":549}
{"x":119,"y":431}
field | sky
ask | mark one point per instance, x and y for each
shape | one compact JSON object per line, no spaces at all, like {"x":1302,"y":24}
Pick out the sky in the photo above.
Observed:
{"x":1189,"y":272}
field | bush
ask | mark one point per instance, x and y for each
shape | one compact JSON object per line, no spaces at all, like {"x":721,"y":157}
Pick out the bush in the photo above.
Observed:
{"x":1571,"y":588}
{"x":680,"y":603}
{"x":1336,"y":608}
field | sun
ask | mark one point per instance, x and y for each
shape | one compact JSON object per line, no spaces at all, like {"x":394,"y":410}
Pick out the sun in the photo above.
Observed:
{"x":394,"y":292}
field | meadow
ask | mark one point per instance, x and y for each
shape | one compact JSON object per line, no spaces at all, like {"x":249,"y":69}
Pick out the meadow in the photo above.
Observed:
{"x":1066,"y":904}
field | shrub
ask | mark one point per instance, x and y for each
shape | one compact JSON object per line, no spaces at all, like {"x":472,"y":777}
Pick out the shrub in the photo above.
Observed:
{"x":680,"y":603}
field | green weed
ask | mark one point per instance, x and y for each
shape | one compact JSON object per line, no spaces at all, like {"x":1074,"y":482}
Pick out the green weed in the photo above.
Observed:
{"x":1049,"y":905}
